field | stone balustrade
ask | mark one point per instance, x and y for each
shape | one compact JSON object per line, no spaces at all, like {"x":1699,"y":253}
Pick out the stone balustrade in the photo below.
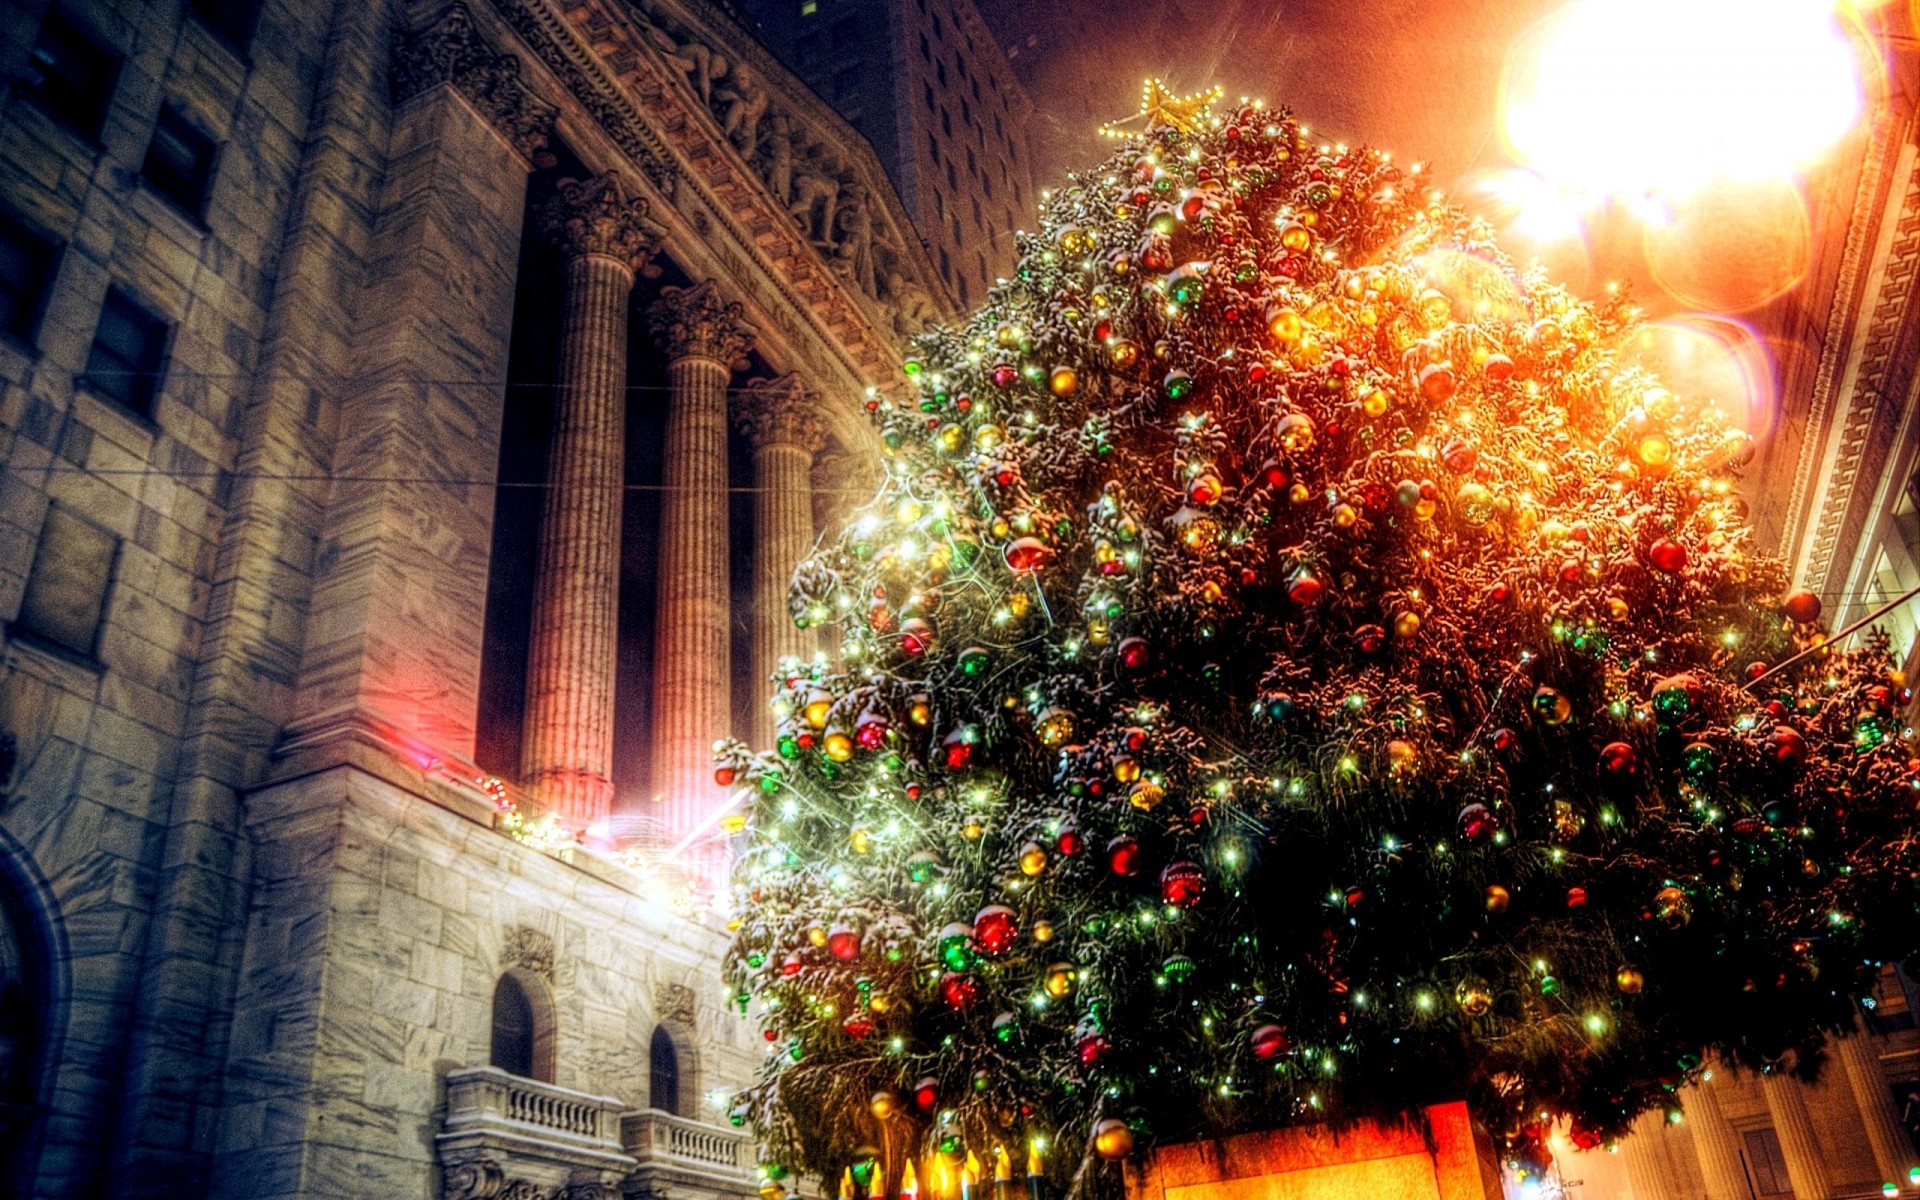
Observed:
{"x":501,"y":1126}
{"x":657,"y":1137}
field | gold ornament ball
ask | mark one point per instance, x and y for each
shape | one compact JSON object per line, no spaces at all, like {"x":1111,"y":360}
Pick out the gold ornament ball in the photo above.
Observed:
{"x":1146,"y":795}
{"x":1345,"y":516}
{"x":1055,"y":727}
{"x":1498,"y":899}
{"x":1297,"y":238}
{"x":771,"y":1189}
{"x":880,"y":1002}
{"x":1112,"y":1140}
{"x":1033,"y":859}
{"x":1043,"y":932}
{"x":1007,"y":337}
{"x":1295,"y":433}
{"x":883,"y":1105}
{"x":1374,"y":404}
{"x":1473,"y":997}
{"x":819,"y":704}
{"x":838,"y":745}
{"x":1406,"y":624}
{"x":1124,"y":353}
{"x":1019,"y":603}
{"x":1059,"y":981}
{"x":973,"y":830}
{"x":1629,"y":980}
{"x":1064,"y":381}
{"x":816,"y":937}
{"x":1126,"y":769}
{"x":860,"y":841}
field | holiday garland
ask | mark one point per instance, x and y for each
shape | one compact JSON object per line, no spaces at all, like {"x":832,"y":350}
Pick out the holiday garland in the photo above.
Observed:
{"x":1298,"y":668}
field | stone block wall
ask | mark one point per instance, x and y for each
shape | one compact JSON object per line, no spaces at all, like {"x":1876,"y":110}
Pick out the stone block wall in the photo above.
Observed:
{"x":380,"y":926}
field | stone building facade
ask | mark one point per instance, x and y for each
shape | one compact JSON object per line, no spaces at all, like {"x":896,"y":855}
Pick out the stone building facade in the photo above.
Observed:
{"x":290,"y":291}
{"x":928,"y":84}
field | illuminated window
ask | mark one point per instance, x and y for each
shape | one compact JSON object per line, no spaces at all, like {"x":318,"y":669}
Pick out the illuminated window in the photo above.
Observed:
{"x":809,"y":7}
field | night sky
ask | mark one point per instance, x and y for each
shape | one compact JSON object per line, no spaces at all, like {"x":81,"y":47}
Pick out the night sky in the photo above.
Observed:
{"x":1420,"y":78}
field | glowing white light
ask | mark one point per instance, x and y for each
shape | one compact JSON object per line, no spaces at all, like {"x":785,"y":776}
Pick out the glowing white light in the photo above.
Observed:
{"x":1661,"y":97}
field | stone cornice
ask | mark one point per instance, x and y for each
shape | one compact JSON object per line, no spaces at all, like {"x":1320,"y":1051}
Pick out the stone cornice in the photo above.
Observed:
{"x":697,"y":322}
{"x":450,"y":50}
{"x":779,"y":412}
{"x":597,"y":216}
{"x":546,"y":34}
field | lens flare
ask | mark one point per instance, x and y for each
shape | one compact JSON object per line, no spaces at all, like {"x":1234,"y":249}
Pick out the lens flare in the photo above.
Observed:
{"x":1635,"y":98}
{"x":1732,"y":247}
{"x":1713,"y":362}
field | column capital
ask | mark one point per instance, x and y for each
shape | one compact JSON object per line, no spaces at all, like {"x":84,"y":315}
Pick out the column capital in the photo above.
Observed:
{"x":451,"y":50}
{"x":695,"y":322}
{"x":779,"y":412}
{"x":596,"y":216}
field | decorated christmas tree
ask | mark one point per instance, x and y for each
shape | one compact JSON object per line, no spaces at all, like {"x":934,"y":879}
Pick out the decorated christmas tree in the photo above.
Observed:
{"x":1299,"y":668}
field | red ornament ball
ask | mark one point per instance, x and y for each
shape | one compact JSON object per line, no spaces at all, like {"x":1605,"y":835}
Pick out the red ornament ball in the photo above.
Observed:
{"x":1668,"y":555}
{"x":857,"y":1026}
{"x":1305,"y":590}
{"x":1070,"y":842}
{"x":723,"y":776}
{"x":844,"y":943}
{"x":1004,"y":375}
{"x":1576,"y":897}
{"x":995,"y":928}
{"x":1134,"y":654}
{"x":1788,"y":747}
{"x":1092,"y":1047}
{"x":1801,"y":606}
{"x":1618,"y":760}
{"x":958,"y":990}
{"x":1269,"y":1042}
{"x":1183,"y":884}
{"x":1028,"y":554}
{"x":1123,"y":856}
{"x":926,"y":1094}
{"x":1478,"y":824}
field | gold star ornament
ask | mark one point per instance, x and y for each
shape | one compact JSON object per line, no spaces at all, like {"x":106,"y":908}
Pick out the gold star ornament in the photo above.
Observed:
{"x":1160,"y":108}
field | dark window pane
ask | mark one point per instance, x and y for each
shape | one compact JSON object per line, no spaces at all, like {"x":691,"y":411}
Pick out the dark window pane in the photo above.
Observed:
{"x":1766,"y":1162}
{"x":926,"y":51}
{"x":663,"y":1074}
{"x":67,"y":586}
{"x":26,"y":273}
{"x":69,"y":76}
{"x":229,"y":20}
{"x":846,"y":33}
{"x":512,"y":1028}
{"x":846,"y":84}
{"x":129,"y":353}
{"x":179,"y":162}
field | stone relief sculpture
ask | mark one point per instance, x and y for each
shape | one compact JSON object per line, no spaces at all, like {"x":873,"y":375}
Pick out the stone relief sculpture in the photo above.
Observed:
{"x":821,"y":191}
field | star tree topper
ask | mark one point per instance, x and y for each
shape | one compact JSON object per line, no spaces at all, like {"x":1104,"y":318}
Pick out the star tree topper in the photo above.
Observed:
{"x":1160,"y":107}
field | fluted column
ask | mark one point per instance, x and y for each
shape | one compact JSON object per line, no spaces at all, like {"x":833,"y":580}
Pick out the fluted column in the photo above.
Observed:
{"x":567,"y":748}
{"x":702,"y":337}
{"x":1892,"y":1150}
{"x":1715,"y":1145}
{"x":782,"y":422}
{"x":1799,"y":1145}
{"x":1642,"y":1156}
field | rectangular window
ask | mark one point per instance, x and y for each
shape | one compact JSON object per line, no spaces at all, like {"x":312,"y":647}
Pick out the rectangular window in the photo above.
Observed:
{"x":846,"y":85}
{"x":926,"y":50}
{"x":1768,"y":1166}
{"x":946,"y":265}
{"x":809,"y":7}
{"x":231,"y":21}
{"x":966,"y":300}
{"x":953,"y":181}
{"x":179,"y":162}
{"x":939,"y":204}
{"x":946,"y":122}
{"x":938,"y":31}
{"x":67,"y":584}
{"x":933,"y":147}
{"x":940,"y":72}
{"x":973,"y":166}
{"x":70,"y":76}
{"x":929,"y":88}
{"x":26,"y":275}
{"x":129,"y":354}
{"x":976,"y":212}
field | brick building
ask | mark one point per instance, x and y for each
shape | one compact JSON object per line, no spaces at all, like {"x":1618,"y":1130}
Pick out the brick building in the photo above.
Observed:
{"x":927,"y":83}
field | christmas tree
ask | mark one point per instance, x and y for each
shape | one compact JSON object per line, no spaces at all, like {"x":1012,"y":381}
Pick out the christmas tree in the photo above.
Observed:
{"x":1298,"y":668}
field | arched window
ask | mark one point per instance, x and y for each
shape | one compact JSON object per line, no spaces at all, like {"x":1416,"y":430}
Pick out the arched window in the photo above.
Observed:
{"x":663,"y":1074}
{"x":27,"y":1017}
{"x":522,"y":1030}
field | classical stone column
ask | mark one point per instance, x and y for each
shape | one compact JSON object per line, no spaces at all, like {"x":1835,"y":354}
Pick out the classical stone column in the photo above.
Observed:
{"x":1714,"y":1142}
{"x":1892,"y":1150}
{"x":780,"y":419}
{"x":1642,"y":1155}
{"x":703,"y":337}
{"x":1799,"y":1145}
{"x":567,"y":749}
